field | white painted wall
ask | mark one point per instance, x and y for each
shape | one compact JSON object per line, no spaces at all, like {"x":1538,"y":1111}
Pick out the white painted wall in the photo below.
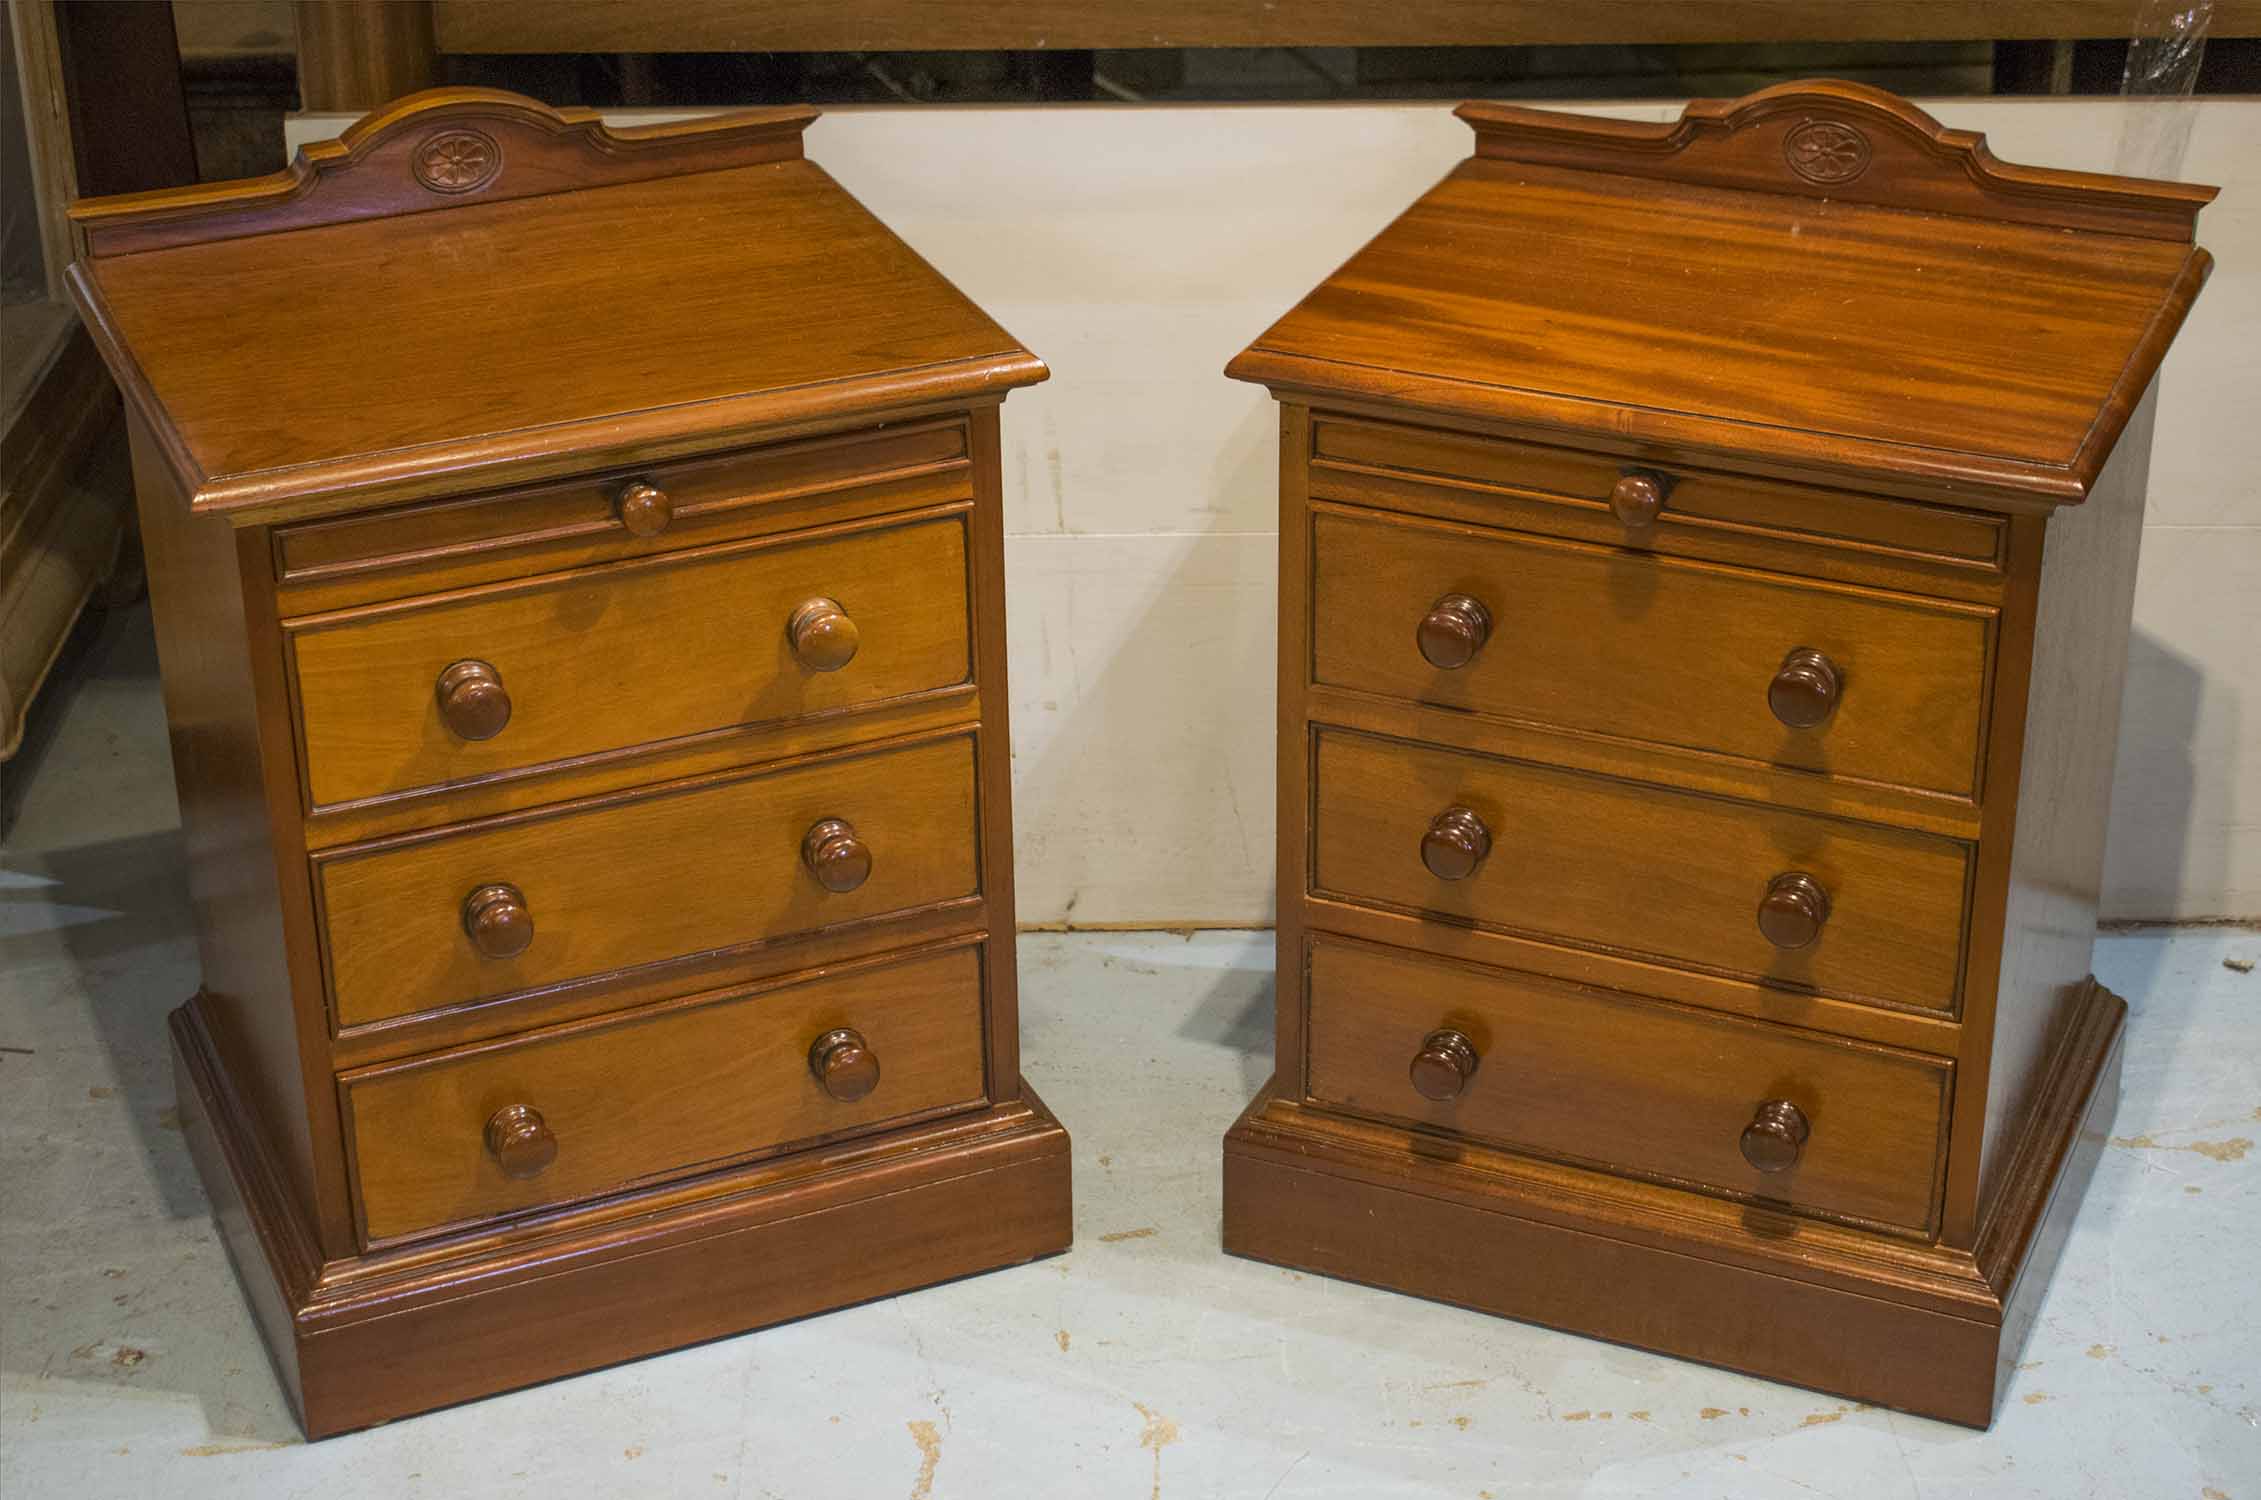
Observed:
{"x":1138,"y":248}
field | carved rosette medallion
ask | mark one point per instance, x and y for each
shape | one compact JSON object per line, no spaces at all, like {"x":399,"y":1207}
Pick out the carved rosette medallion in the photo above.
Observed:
{"x":1826,"y":152}
{"x":457,"y":161}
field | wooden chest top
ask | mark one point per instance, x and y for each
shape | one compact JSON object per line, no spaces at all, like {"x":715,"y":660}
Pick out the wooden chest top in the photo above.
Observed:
{"x":1818,"y":278}
{"x":421,"y":300}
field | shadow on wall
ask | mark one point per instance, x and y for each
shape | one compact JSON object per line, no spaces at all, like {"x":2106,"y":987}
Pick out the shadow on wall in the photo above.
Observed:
{"x":2151,"y":856}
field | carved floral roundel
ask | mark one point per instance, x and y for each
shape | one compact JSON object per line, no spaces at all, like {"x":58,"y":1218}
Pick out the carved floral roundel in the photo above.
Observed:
{"x":457,"y":161}
{"x":1827,"y":152}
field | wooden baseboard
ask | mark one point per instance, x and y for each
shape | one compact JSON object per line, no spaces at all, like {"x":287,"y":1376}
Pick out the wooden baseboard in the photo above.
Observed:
{"x":1437,"y":1225}
{"x":356,"y":1344}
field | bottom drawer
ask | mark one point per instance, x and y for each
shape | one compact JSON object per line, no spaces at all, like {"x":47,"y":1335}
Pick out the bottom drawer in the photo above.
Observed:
{"x":593,"y":1107}
{"x":1631,"y":1085}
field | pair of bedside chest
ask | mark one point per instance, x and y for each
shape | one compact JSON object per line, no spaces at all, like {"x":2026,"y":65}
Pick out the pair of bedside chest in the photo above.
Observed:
{"x":578,"y":567}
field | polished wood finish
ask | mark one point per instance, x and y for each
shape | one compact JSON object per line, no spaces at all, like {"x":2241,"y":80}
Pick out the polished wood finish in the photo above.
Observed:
{"x":1617,"y":643}
{"x":1794,"y":454}
{"x":737,"y":292}
{"x":1619,"y":865}
{"x":824,"y":635}
{"x":520,"y":1141}
{"x":1630,"y":1085}
{"x":594,"y":660}
{"x":498,"y":764}
{"x":603,"y":877}
{"x":677,"y":1088}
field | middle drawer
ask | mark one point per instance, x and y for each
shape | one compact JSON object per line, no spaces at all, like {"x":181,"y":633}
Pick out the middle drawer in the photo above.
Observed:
{"x":1815,"y":903}
{"x":532,"y":900}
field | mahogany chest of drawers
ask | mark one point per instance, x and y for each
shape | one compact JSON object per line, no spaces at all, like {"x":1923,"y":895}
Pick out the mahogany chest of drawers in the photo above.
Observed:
{"x":577,"y":560}
{"x":1707,"y":554}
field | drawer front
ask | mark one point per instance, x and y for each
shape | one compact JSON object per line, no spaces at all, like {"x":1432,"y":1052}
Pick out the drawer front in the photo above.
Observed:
{"x":1653,"y":649}
{"x":633,"y":1100}
{"x":626,"y":655}
{"x":638,"y":879}
{"x":1628,"y":1084}
{"x":580,"y":521}
{"x":1642,"y":870}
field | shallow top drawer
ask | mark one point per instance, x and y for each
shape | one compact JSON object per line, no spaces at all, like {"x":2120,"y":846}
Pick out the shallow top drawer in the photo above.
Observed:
{"x":1850,"y":682}
{"x":604,"y":518}
{"x":508,"y":677}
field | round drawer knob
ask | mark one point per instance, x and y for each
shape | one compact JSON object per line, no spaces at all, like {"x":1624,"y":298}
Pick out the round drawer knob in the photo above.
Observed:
{"x":473,"y":703}
{"x":1792,"y":910}
{"x":824,"y":638}
{"x":1453,"y":631}
{"x":498,"y":921}
{"x":1776,"y":1136}
{"x":520,"y":1141}
{"x":839,"y":860}
{"x":1443,"y":1066}
{"x":1805,"y":688}
{"x":644,"y":509}
{"x":1638,"y":497}
{"x":1455,"y":844}
{"x":844,"y":1064}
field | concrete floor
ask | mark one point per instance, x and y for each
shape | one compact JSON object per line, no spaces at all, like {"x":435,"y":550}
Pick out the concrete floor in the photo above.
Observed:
{"x":1143,"y":1364}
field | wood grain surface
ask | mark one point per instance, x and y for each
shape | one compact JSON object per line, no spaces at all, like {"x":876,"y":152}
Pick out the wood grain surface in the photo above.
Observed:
{"x":687,"y":1085}
{"x":640,"y":878}
{"x":634,"y":653}
{"x":1642,"y":870}
{"x":1631,"y":1085}
{"x":1611,"y":642}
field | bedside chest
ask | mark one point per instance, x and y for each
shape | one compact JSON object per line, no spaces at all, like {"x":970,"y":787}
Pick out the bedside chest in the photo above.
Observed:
{"x":577,"y":566}
{"x":1707,"y":553}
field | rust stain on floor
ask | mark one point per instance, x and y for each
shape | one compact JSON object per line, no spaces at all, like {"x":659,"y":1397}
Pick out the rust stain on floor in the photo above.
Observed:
{"x":1158,"y":1434}
{"x":930,"y":1457}
{"x":1128,"y":1234}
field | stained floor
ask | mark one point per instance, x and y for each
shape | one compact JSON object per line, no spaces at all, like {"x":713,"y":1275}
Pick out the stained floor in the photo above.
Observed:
{"x":1144,"y":1364}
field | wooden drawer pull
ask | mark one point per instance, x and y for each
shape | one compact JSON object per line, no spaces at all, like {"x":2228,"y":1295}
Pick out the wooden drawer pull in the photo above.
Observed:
{"x":1638,"y":497}
{"x":1805,"y":689}
{"x":1443,"y":1066}
{"x":844,"y":1064}
{"x":473,"y":702}
{"x":1792,"y":910}
{"x":1455,"y":844}
{"x":1776,"y":1136}
{"x":1453,"y":631}
{"x":644,"y":509}
{"x":824,"y":638}
{"x":836,"y":856}
{"x":498,"y":920}
{"x":520,"y":1141}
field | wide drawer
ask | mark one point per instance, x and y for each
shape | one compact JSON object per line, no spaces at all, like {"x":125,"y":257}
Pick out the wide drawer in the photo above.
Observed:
{"x":1653,"y":649}
{"x":1628,"y":1084}
{"x":585,"y":890}
{"x":628,"y":654}
{"x":600,"y":1106}
{"x":1640,"y":869}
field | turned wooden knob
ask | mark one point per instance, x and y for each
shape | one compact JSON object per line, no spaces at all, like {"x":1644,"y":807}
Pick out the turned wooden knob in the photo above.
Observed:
{"x":1776,"y":1136}
{"x":844,"y":1064}
{"x":839,"y":860}
{"x":1638,"y":496}
{"x":1453,"y":631}
{"x":1443,"y":1066}
{"x":498,"y":920}
{"x":473,"y":704}
{"x":1793,"y":909}
{"x":644,"y":509}
{"x":519,"y":1140}
{"x":1805,"y":688}
{"x":1455,"y":844}
{"x":823,"y":637}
